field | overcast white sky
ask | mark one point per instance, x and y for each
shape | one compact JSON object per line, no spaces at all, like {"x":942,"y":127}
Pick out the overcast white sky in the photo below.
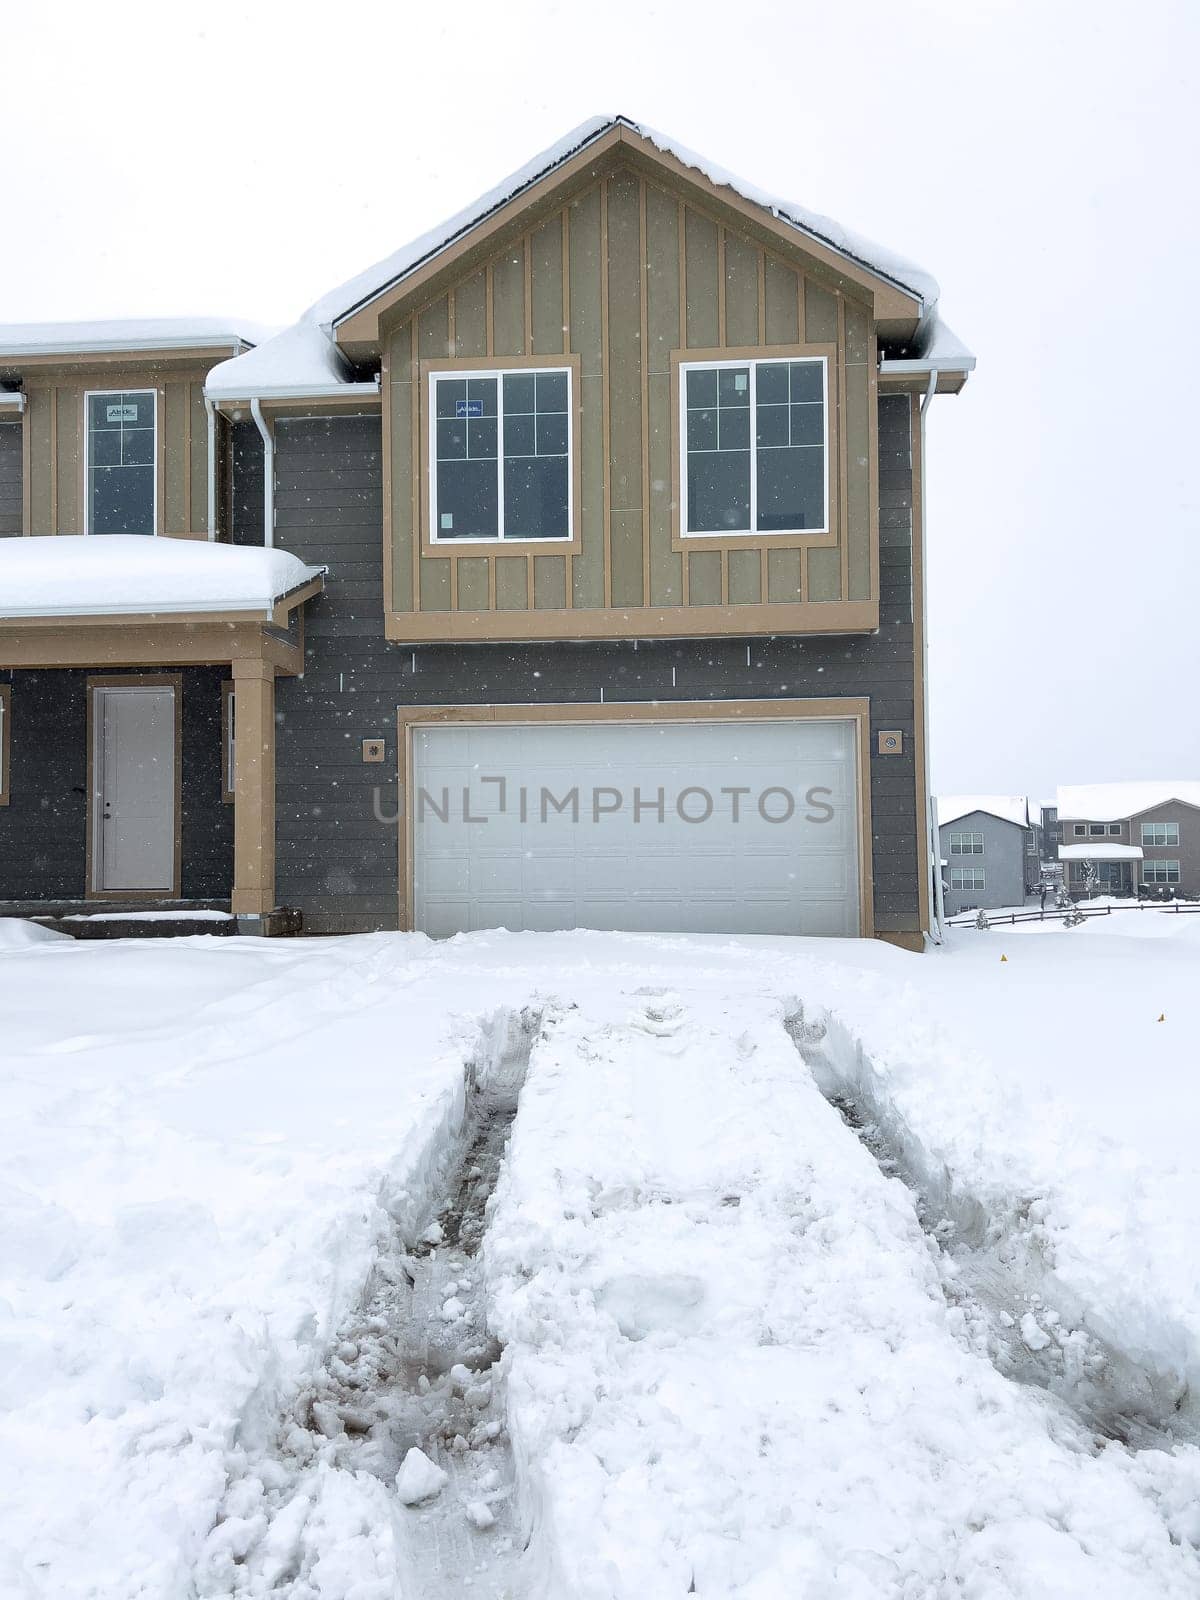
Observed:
{"x":1040,"y":156}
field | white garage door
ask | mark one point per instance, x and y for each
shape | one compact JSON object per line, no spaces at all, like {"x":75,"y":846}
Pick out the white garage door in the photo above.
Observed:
{"x":701,"y":827}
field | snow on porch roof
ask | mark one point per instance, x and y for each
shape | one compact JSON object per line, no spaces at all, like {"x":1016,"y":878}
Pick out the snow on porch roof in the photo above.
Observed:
{"x":127,"y":575}
{"x":1100,"y":851}
{"x":307,"y":355}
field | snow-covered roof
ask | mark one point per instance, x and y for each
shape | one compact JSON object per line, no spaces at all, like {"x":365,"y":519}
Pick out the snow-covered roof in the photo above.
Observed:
{"x":1100,"y":850}
{"x":1008,"y":807}
{"x":1113,"y":802}
{"x":127,"y":575}
{"x":137,"y":333}
{"x":291,"y":363}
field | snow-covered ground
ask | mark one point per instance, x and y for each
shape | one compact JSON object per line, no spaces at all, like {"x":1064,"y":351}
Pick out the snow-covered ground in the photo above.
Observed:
{"x":817,"y":1269}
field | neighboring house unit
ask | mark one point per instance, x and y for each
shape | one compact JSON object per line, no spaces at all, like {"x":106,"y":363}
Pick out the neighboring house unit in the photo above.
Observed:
{"x":593,"y":590}
{"x":989,"y":851}
{"x":1132,"y":838}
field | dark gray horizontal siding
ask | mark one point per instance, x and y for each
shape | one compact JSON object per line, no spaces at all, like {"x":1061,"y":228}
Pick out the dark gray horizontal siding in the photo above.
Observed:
{"x":11,"y":469}
{"x":338,"y":862}
{"x":43,"y":829}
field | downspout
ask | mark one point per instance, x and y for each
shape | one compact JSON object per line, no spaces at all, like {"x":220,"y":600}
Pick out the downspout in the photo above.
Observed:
{"x":268,"y":439}
{"x":210,"y":407}
{"x":937,"y":931}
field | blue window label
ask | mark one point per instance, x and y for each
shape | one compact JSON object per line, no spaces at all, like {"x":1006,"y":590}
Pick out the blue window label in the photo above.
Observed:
{"x":468,"y":408}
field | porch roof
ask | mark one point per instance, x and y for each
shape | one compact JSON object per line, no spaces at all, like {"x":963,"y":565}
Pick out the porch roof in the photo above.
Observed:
{"x":124,"y":575}
{"x":1100,"y":851}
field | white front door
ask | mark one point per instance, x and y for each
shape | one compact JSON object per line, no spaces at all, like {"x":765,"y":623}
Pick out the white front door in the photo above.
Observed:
{"x":690,"y":826}
{"x":133,"y":826}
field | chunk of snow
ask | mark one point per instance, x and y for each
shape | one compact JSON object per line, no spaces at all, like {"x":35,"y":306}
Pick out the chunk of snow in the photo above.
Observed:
{"x":1033,"y":1335}
{"x":453,"y":1309}
{"x":480,"y":1515}
{"x":126,"y":575}
{"x":419,"y":1478}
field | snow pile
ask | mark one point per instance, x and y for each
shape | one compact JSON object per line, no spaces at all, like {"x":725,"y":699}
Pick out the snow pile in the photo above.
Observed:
{"x":798,"y":1296}
{"x":16,"y":934}
{"x":126,"y":575}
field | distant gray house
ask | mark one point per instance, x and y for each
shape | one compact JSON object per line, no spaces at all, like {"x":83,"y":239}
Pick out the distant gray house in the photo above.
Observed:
{"x":1131,"y":838}
{"x":989,"y":851}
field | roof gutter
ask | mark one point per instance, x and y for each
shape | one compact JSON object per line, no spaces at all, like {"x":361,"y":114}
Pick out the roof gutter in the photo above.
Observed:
{"x":98,"y":347}
{"x":281,"y":393}
{"x":268,"y":439}
{"x":933,"y":840}
{"x":12,"y":400}
{"x":210,"y":411}
{"x":926,"y":366}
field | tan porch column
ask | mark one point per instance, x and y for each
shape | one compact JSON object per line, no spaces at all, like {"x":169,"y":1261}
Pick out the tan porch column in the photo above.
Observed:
{"x":254,"y":786}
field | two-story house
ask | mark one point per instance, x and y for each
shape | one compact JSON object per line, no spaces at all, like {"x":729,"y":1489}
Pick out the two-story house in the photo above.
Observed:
{"x":989,"y":851}
{"x":1131,"y":838}
{"x":563,"y":570}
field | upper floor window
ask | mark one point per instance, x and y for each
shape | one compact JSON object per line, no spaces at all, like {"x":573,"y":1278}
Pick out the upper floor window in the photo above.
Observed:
{"x":966,"y":844}
{"x":1160,"y":833}
{"x":121,"y":470}
{"x":755,"y":440}
{"x":500,"y":454}
{"x":1080,"y":830}
{"x":1096,"y":830}
{"x":1114,"y":830}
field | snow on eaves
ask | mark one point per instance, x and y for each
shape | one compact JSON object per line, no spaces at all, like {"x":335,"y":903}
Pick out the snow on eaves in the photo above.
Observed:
{"x":1099,"y":850}
{"x":132,"y":333}
{"x":1112,"y":802}
{"x":291,"y":363}
{"x":1008,"y":807}
{"x":128,"y":575}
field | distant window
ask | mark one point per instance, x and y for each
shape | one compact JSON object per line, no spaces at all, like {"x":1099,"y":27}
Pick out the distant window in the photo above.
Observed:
{"x":1114,"y":830}
{"x":966,"y":844}
{"x":755,"y":440}
{"x":121,"y":471}
{"x":1096,"y":830}
{"x":1031,"y":845}
{"x":1080,"y":830}
{"x":500,"y":455}
{"x":967,"y":878}
{"x":5,"y":740}
{"x":1160,"y":872}
{"x":1160,"y":833}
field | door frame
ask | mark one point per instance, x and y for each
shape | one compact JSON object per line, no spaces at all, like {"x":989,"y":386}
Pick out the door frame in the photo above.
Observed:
{"x":157,"y":680}
{"x":857,"y":711}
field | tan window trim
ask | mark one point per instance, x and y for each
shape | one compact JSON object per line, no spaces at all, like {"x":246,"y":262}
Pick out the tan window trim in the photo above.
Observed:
{"x":691,"y":543}
{"x":5,"y":743}
{"x":491,"y":549}
{"x":228,"y":766}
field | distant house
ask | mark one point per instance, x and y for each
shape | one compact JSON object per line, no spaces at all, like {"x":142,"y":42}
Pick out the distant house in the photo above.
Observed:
{"x":1131,"y":838}
{"x":989,"y":850}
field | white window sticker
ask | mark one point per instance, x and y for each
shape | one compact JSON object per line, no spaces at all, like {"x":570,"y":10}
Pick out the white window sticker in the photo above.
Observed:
{"x":121,"y":413}
{"x":447,"y":519}
{"x":740,"y":382}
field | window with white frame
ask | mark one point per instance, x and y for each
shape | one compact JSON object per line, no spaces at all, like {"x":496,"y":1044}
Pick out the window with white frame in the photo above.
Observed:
{"x":1114,"y":830}
{"x":1160,"y":833}
{"x":1096,"y":830}
{"x":1079,"y":830}
{"x":1160,"y":872}
{"x":967,"y":879}
{"x":966,"y":844}
{"x":500,"y":455}
{"x":755,"y":442}
{"x":121,"y":461}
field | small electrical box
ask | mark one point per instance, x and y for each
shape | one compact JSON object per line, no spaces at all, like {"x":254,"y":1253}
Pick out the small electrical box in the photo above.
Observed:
{"x":374,"y":749}
{"x":891,"y":742}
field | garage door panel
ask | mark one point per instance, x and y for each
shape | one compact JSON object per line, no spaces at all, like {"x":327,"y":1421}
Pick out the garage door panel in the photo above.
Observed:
{"x":544,"y":851}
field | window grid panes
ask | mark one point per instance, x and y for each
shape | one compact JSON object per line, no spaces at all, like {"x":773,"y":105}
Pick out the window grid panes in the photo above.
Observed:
{"x":968,"y":878}
{"x":121,"y":469}
{"x":966,"y":844}
{"x":1096,"y":830}
{"x":1079,"y":830}
{"x":1160,"y":833}
{"x":1160,"y":872}
{"x":1114,"y":830}
{"x":501,"y":450}
{"x":754,"y":437}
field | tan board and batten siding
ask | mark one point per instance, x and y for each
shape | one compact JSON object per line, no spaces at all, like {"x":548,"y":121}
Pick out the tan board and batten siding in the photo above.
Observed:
{"x":628,"y":278}
{"x":53,"y":468}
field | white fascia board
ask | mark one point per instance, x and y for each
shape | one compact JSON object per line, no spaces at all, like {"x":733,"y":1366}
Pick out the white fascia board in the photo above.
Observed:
{"x":925,"y":366}
{"x":281,"y":392}
{"x":147,"y":608}
{"x":12,"y":400}
{"x":97,"y":347}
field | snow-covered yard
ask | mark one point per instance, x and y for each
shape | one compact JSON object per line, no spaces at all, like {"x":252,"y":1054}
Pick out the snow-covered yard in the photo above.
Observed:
{"x":812,"y":1269}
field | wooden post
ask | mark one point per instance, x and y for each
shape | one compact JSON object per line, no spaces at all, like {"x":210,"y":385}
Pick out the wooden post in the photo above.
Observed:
{"x":254,"y":787}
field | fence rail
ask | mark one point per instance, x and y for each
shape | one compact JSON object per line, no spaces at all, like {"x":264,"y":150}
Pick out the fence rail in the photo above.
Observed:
{"x":996,"y":920}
